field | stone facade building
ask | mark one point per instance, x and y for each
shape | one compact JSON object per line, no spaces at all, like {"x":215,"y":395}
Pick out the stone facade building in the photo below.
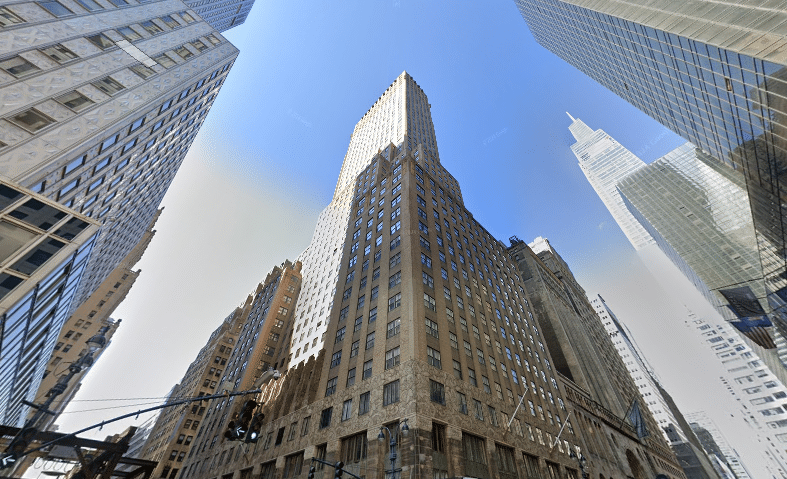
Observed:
{"x":430,"y":331}
{"x":173,"y":434}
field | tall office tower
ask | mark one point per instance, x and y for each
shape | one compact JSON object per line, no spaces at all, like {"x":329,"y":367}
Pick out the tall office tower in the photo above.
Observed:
{"x":429,"y":327}
{"x":733,"y":353}
{"x":604,"y":161}
{"x":44,"y":249}
{"x":173,"y":433}
{"x":714,"y":73}
{"x":702,"y":213}
{"x":102,"y":103}
{"x":673,"y":425}
{"x":222,"y":14}
{"x":400,"y":117}
{"x":103,"y":113}
{"x":714,"y":441}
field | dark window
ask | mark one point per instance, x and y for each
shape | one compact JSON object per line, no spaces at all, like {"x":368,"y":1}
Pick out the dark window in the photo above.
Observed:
{"x":325,"y":417}
{"x":391,"y":393}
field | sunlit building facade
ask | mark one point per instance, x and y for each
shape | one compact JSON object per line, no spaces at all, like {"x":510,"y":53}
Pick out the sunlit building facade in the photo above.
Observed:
{"x":101,"y":102}
{"x":103,"y":114}
{"x":427,"y":323}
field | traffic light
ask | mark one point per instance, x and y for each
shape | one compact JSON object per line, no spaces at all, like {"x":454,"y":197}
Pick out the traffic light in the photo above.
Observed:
{"x":246,"y":415}
{"x":254,"y":428}
{"x":339,"y":470}
{"x":233,"y":431}
{"x":311,"y":472}
{"x":17,"y":447}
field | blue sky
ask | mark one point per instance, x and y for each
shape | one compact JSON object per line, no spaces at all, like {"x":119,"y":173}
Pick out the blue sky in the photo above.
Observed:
{"x":267,"y":159}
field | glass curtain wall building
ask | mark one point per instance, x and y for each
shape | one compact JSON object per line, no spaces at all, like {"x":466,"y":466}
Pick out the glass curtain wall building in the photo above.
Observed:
{"x":713,"y":72}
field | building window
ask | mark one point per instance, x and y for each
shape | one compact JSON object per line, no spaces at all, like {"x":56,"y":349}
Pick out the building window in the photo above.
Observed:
{"x":393,"y":328}
{"x":391,"y":393}
{"x":7,"y":17}
{"x":367,"y":369}
{"x":363,"y":403}
{"x":347,"y":409}
{"x":292,"y":465}
{"x":392,"y":358}
{"x":31,"y":120}
{"x":478,"y":409}
{"x":305,"y":426}
{"x":394,"y":301}
{"x":462,"y":402}
{"x":429,"y":303}
{"x":56,"y":8}
{"x":431,"y":328}
{"x":474,"y":447}
{"x":354,"y":448}
{"x":331,"y":387}
{"x":433,"y":358}
{"x":340,"y":335}
{"x":336,"y":359}
{"x":325,"y":417}
{"x":437,"y":392}
{"x":108,"y":85}
{"x":370,"y":340}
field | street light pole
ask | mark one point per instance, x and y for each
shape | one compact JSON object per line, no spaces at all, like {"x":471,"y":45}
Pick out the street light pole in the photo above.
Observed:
{"x":402,"y":430}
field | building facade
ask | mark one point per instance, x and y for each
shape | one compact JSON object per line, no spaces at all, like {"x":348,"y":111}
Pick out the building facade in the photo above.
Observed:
{"x":702,"y":213}
{"x":45,"y":251}
{"x":671,"y":423}
{"x":429,"y":325}
{"x":222,"y":14}
{"x":85,"y":322}
{"x":746,"y":372}
{"x":714,"y":73}
{"x":172,"y":435}
{"x":101,"y":103}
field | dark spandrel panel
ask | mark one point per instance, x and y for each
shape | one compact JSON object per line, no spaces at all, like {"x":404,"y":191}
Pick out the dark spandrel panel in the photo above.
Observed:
{"x":8,"y":283}
{"x":7,"y":196}
{"x":38,"y":214}
{"x":72,"y":228}
{"x":34,"y":259}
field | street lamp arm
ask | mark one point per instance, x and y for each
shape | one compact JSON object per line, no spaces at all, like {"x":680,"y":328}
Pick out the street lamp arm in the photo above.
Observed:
{"x":142,"y":411}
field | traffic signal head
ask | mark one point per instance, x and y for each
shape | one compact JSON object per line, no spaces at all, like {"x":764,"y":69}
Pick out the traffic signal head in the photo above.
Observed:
{"x":311,"y":472}
{"x":254,"y":428}
{"x":339,"y":470}
{"x":247,"y":413}
{"x":233,"y":431}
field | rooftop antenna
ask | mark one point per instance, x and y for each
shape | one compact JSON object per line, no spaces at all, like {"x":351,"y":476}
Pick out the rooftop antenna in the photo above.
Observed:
{"x":572,"y":118}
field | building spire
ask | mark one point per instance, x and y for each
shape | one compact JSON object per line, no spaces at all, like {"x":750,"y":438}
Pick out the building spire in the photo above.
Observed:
{"x":572,"y":118}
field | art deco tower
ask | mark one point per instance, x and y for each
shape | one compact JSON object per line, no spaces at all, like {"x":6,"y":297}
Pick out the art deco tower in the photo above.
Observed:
{"x":400,"y":117}
{"x":412,"y":317}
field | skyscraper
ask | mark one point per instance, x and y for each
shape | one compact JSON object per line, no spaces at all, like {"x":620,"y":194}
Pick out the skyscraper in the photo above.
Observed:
{"x":750,"y":382}
{"x":222,"y":14}
{"x":702,"y":214}
{"x":671,"y":422}
{"x":400,"y":117}
{"x":713,"y":72}
{"x":427,"y":340}
{"x":101,"y":103}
